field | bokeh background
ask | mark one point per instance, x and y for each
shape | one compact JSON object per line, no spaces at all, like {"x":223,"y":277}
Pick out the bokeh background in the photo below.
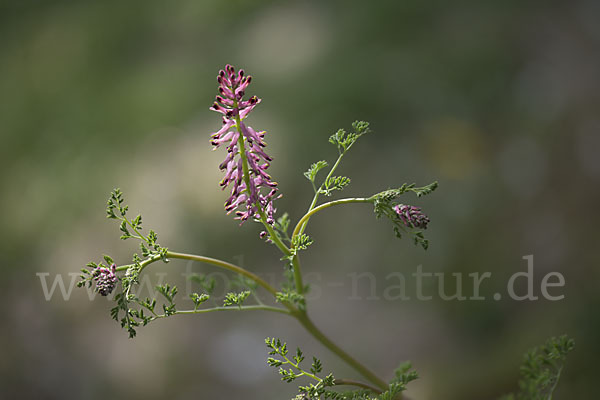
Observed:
{"x":497,"y":100}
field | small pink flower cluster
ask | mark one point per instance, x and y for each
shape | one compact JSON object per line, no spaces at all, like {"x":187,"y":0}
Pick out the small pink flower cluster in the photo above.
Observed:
{"x":106,"y":279}
{"x":411,"y":216}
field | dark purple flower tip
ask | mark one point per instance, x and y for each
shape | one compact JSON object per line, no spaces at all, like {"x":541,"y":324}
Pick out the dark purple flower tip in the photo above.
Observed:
{"x":411,"y":216}
{"x":106,"y":279}
{"x":263,"y":234}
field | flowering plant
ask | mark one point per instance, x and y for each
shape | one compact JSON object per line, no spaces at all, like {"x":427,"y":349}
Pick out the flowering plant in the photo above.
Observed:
{"x":252,"y":193}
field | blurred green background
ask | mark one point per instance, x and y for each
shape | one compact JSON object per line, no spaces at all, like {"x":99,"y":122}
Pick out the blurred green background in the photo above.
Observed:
{"x":498,"y":100}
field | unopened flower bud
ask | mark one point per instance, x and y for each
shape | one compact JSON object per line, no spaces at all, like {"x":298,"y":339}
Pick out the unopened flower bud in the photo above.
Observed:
{"x":411,"y":216}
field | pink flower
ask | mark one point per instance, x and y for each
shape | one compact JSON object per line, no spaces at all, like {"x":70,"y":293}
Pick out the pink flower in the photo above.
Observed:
{"x":411,"y":216}
{"x":106,"y":279}
{"x":247,"y":201}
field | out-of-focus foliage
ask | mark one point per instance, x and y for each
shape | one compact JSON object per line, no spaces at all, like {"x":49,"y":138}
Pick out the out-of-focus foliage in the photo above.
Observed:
{"x":541,"y":370}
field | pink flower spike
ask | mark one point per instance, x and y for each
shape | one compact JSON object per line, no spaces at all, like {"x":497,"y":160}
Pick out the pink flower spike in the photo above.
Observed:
{"x":231,"y":104}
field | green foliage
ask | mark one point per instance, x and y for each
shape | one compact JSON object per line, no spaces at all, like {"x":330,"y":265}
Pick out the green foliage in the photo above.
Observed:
{"x":314,"y":169}
{"x":198,"y":299}
{"x":131,"y":228}
{"x":235,"y":299}
{"x":334,"y":183}
{"x":290,"y":296}
{"x":291,"y":368}
{"x":403,"y":376}
{"x":115,"y":202}
{"x":127,"y":321}
{"x":344,"y":141}
{"x":300,"y":242}
{"x":281,"y":227}
{"x":316,"y":366}
{"x":423,"y":191}
{"x":168,"y":293}
{"x":132,"y":311}
{"x":125,"y":310}
{"x":392,"y":194}
{"x":541,"y":369}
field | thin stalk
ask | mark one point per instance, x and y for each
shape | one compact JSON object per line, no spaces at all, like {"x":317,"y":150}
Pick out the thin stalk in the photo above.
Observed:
{"x":208,"y":260}
{"x":298,"y":275}
{"x":317,"y":191}
{"x":301,"y":225}
{"x":555,"y":383}
{"x":303,"y":317}
{"x":320,"y":336}
{"x":304,"y":220}
{"x":350,"y":382}
{"x":301,"y":371}
{"x":242,"y":308}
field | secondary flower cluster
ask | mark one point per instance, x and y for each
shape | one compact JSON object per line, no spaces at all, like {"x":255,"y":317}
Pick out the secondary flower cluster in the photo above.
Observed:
{"x":106,"y":279}
{"x":245,"y":197}
{"x":411,"y":216}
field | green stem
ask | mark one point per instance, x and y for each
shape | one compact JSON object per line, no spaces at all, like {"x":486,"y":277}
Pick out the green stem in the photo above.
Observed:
{"x":350,"y":382}
{"x":303,"y":317}
{"x":140,"y":236}
{"x":243,"y":308}
{"x":555,"y":383}
{"x":318,"y":191}
{"x":304,"y":220}
{"x":263,"y":218}
{"x":320,"y":336}
{"x":301,"y":225}
{"x":208,"y":260}
{"x":302,"y":372}
{"x":298,"y":275}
